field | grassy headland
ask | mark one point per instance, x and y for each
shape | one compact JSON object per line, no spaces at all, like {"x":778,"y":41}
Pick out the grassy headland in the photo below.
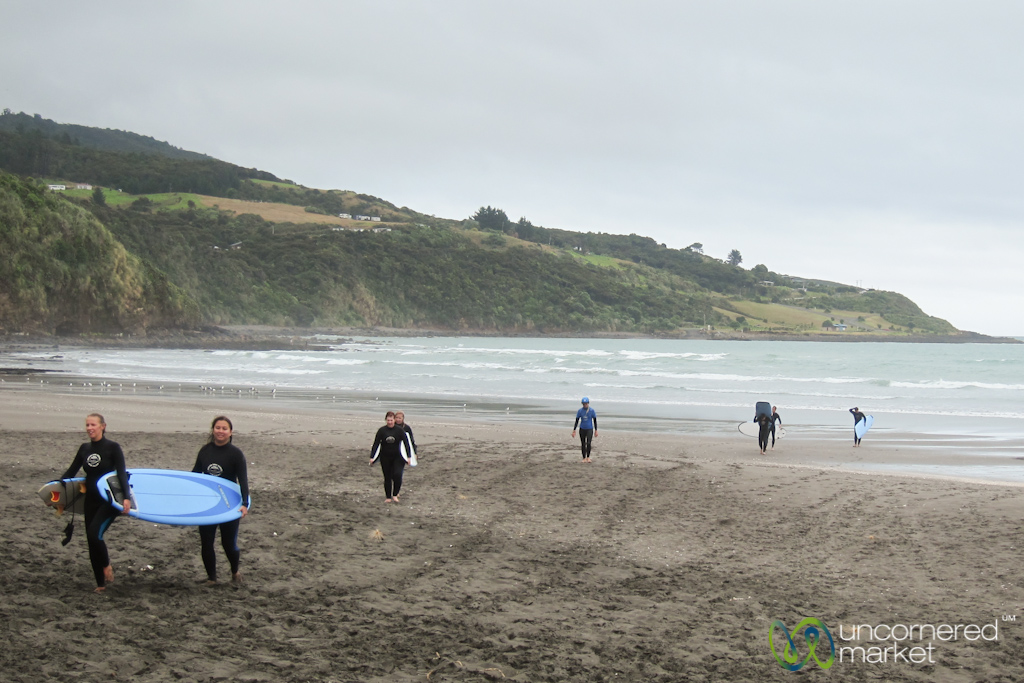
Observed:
{"x":232,"y":246}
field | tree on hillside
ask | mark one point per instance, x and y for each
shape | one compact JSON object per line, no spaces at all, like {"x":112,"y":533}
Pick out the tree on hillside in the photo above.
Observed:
{"x":734,"y":258}
{"x":696,"y":247}
{"x":491,"y":218}
{"x":526,"y":230}
{"x":98,"y":198}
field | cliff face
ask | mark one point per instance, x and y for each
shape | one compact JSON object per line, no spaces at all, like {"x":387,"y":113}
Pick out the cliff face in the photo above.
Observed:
{"x":61,"y":271}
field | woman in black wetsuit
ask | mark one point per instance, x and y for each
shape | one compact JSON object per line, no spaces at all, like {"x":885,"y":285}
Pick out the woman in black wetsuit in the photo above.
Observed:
{"x":764,"y":428}
{"x":392,"y":447}
{"x":99,"y":456}
{"x":775,"y":418}
{"x":221,"y":458}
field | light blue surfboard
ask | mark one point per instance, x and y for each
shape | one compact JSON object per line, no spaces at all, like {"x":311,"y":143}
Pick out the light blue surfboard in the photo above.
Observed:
{"x":176,"y":497}
{"x":862,"y":427}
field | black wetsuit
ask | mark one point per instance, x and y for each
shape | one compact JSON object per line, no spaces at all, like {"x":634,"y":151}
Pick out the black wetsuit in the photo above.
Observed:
{"x":775,"y":417}
{"x":589,"y":425}
{"x":763,"y":430}
{"x":412,"y":439}
{"x":227,"y":462}
{"x":98,"y":458}
{"x":857,"y":417}
{"x":392,"y":446}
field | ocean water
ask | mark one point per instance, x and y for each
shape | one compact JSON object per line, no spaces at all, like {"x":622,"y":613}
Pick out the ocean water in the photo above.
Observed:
{"x":936,"y":393}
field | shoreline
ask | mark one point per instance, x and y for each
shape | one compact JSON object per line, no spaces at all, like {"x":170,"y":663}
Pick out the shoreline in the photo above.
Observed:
{"x":266,"y":338}
{"x":887,"y":453}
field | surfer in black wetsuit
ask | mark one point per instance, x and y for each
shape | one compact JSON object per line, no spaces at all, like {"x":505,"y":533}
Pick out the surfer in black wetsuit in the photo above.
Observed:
{"x":400,"y":422}
{"x":99,"y":456}
{"x":764,"y":428}
{"x":775,"y":418}
{"x":221,"y":458}
{"x":857,"y":417}
{"x":391,"y":445}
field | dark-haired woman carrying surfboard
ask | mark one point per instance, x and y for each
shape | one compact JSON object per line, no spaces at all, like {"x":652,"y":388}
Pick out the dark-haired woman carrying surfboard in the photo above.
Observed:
{"x":99,"y":456}
{"x":221,"y":458}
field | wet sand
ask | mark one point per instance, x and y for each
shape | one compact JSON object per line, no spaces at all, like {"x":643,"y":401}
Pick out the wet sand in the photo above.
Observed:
{"x":665,"y":559}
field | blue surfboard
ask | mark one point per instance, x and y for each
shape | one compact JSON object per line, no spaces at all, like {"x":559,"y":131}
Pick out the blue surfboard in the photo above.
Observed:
{"x":176,"y":497}
{"x":862,"y":427}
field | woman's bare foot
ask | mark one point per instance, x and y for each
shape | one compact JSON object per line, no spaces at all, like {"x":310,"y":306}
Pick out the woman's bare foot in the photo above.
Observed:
{"x":387,"y":500}
{"x":210,"y":582}
{"x":394,"y":498}
{"x":108,"y":574}
{"x":237,"y":577}
{"x":99,"y":589}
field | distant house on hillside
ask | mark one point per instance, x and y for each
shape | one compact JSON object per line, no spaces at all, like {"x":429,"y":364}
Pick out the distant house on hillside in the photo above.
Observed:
{"x":382,"y":229}
{"x":766,"y":283}
{"x":236,"y":245}
{"x":83,"y":186}
{"x":344,"y":215}
{"x":58,"y":188}
{"x":375,"y":218}
{"x":840,"y":327}
{"x":362,"y":218}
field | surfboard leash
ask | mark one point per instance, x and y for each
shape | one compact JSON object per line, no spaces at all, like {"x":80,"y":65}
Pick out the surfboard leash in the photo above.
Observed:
{"x":70,"y":528}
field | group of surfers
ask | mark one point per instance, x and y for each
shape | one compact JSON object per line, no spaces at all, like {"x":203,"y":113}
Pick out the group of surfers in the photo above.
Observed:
{"x":100,"y":456}
{"x":394,"y":446}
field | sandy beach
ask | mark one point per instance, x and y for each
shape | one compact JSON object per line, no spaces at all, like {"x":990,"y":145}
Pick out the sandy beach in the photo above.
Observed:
{"x":665,"y":559}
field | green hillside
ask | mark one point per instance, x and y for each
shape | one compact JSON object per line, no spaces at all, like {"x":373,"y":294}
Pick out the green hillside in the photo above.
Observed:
{"x":61,"y":271}
{"x":151,"y":246}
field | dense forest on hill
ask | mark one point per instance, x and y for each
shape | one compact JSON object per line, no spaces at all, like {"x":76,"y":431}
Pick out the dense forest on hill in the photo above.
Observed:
{"x":79,"y":263}
{"x":96,"y":138}
{"x":31,"y":152}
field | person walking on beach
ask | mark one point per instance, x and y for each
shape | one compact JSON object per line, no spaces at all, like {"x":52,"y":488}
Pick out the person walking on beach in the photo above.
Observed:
{"x":99,"y":456}
{"x":764,"y":428}
{"x":400,"y":422}
{"x":221,"y":458}
{"x":586,"y":419}
{"x":857,"y":417}
{"x":391,"y":445}
{"x":775,"y":418}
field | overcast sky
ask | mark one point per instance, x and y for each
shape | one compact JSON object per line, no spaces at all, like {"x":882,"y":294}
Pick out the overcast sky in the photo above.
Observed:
{"x":872,"y":143}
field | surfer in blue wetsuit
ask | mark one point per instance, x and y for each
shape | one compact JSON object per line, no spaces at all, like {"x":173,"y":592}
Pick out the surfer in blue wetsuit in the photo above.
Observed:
{"x":221,"y":458}
{"x":775,"y":418}
{"x":392,"y":447}
{"x":857,"y":417}
{"x":586,"y":419}
{"x":99,"y":456}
